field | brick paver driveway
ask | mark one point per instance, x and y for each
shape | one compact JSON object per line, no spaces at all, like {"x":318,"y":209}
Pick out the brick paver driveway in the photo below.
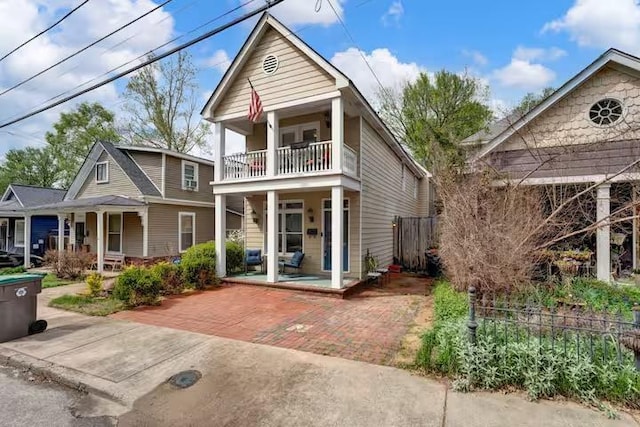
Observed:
{"x":367,"y":327}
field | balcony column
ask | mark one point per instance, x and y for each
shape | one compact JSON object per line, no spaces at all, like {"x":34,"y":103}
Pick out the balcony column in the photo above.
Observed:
{"x":27,"y":241}
{"x":272,"y":236}
{"x":220,"y":234}
{"x":337,"y":133}
{"x":273,"y":136}
{"x":337,"y":236}
{"x":219,"y":144}
{"x":603,"y":238}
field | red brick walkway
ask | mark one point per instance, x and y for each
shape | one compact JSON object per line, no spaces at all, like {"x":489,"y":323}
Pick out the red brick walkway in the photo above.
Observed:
{"x":367,"y":327}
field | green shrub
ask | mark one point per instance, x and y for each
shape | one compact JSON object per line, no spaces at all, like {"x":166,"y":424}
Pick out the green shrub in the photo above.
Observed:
{"x":170,"y":276}
{"x":12,"y":270}
{"x":235,"y":256}
{"x":198,"y":265}
{"x":137,"y":286}
{"x":94,"y":284}
{"x":448,"y":303}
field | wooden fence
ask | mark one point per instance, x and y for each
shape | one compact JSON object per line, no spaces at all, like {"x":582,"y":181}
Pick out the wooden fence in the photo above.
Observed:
{"x":412,"y":237}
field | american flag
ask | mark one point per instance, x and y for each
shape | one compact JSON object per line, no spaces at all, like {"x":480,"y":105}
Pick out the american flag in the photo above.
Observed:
{"x":255,"y":107}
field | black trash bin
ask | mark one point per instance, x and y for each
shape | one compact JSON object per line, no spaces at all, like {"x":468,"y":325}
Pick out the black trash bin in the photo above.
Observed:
{"x":18,"y":306}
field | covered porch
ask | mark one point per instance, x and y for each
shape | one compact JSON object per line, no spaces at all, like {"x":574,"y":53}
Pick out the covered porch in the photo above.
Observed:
{"x":106,"y":226}
{"x":300,"y":221}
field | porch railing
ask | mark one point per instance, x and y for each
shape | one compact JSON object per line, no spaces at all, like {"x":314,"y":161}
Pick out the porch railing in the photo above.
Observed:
{"x":349,"y":160}
{"x":313,"y":157}
{"x":245,"y":165}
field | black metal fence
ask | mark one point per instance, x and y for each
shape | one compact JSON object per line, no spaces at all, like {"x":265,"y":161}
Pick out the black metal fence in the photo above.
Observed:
{"x":567,"y":328}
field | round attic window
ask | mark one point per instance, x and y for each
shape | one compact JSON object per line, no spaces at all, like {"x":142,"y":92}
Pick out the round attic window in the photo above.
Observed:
{"x":270,"y":64}
{"x":605,"y":112}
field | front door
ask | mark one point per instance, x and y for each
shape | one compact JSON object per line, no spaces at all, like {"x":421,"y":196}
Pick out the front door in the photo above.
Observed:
{"x":80,"y":233}
{"x":326,"y":235}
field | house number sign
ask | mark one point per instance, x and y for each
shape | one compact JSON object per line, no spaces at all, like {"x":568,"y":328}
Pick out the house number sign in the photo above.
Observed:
{"x":20,"y":292}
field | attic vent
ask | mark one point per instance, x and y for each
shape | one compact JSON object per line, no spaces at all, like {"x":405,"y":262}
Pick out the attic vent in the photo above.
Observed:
{"x":270,"y":64}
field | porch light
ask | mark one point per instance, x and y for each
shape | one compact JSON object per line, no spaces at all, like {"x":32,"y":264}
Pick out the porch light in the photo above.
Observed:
{"x":254,"y":216}
{"x":310,"y":213}
{"x":327,"y":119}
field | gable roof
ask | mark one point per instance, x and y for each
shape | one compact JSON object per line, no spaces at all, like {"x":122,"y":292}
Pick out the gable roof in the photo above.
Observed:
{"x":31,"y":195}
{"x":342,"y":82}
{"x":126,"y":163}
{"x":184,"y":156}
{"x":505,"y":128}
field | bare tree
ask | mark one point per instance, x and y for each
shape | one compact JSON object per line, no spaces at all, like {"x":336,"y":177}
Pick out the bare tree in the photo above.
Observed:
{"x":162,"y":101}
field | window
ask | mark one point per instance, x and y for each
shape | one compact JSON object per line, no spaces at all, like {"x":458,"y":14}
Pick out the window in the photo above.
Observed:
{"x":102,"y":172}
{"x":290,"y":226}
{"x":605,"y":112}
{"x":189,"y":176}
{"x":308,"y":132}
{"x":186,"y":230}
{"x":114,"y":232}
{"x":18,"y":233}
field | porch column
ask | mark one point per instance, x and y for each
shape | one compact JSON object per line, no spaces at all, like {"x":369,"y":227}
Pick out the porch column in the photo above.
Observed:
{"x":272,"y":236}
{"x":219,"y":141}
{"x":145,"y":232}
{"x":220,"y":232}
{"x":100,"y":240}
{"x":61,"y":219}
{"x":603,"y":239}
{"x":273,"y":135}
{"x":27,"y":241}
{"x":337,"y":133}
{"x":337,"y":236}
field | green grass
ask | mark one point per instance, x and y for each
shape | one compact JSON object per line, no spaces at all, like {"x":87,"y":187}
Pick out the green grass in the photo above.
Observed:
{"x":51,"y":281}
{"x":87,"y":305}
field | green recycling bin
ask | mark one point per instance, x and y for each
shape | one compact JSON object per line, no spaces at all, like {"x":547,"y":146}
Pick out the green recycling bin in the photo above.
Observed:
{"x":18,"y":306}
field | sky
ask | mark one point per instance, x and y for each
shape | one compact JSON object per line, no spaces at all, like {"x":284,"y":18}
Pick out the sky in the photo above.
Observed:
{"x":512,"y":47}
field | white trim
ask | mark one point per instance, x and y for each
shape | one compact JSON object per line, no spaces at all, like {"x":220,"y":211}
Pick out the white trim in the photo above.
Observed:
{"x":611,"y":55}
{"x":108,"y":233}
{"x":196,"y":175}
{"x":633,"y":176}
{"x":193,"y":229}
{"x":163,"y":174}
{"x":288,"y":182}
{"x":241,"y":58}
{"x":348,"y":209}
{"x":106,"y":180}
{"x":164,"y":151}
{"x":15,"y":233}
{"x":184,"y":202}
{"x":6,"y":192}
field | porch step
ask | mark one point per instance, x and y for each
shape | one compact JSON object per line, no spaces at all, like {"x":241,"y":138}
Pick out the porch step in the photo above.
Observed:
{"x":330,"y":292}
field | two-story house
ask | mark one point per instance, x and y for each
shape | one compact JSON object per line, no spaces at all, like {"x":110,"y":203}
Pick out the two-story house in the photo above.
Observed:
{"x":140,"y":202}
{"x":321,"y":172}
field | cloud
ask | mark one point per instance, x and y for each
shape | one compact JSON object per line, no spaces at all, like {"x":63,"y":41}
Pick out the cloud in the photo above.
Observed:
{"x":524,"y":75}
{"x":390,"y":71}
{"x":477,"y":57}
{"x":219,"y":60}
{"x":21,"y":18}
{"x":538,"y":54}
{"x":601,"y":24}
{"x":303,"y":12}
{"x":393,"y":14}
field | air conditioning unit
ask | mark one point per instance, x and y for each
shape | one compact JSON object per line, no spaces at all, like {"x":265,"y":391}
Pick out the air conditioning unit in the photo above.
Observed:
{"x":191,"y":184}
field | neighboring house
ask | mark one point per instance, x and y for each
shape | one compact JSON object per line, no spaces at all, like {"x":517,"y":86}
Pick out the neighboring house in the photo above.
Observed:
{"x":44,"y":228}
{"x":321,"y":172}
{"x":140,"y":202}
{"x":585,"y":133}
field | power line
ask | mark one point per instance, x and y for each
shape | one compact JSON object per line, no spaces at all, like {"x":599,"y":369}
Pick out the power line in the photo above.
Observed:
{"x":240,"y":6}
{"x":68,"y":14}
{"x":17,"y":85}
{"x":149,"y":61}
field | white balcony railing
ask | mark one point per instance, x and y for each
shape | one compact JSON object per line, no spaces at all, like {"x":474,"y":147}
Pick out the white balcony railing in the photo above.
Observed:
{"x":304,"y":158}
{"x":301,"y":158}
{"x":245,"y":165}
{"x":349,"y":161}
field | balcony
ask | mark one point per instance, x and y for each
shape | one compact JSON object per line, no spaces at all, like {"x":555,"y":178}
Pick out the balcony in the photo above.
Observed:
{"x":306,"y":158}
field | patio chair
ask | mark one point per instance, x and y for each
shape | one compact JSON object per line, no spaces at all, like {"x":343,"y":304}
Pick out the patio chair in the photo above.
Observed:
{"x":252,"y":258}
{"x":294,"y":262}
